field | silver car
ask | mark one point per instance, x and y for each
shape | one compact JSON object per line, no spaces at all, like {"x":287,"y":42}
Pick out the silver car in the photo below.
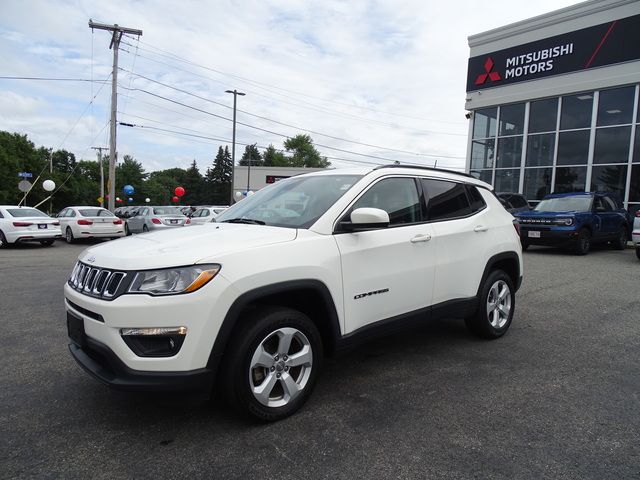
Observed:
{"x":148,"y":218}
{"x":635,"y":234}
{"x":206,"y":214}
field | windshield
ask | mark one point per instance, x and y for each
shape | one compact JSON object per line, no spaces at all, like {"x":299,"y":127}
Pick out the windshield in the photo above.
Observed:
{"x":296,"y":202}
{"x":25,"y":212}
{"x":565,"y":204}
{"x":167,"y":211}
{"x":95,"y":212}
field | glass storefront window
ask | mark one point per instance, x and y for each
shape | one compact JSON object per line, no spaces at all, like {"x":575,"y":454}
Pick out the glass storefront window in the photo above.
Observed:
{"x":537,"y":183}
{"x":573,"y":148}
{"x":576,"y":111}
{"x":636,"y":146}
{"x":570,"y":179}
{"x":509,"y":152}
{"x":634,"y":188}
{"x":543,"y":115}
{"x":484,"y":175}
{"x":612,"y":145}
{"x":484,"y":123}
{"x":612,"y":178}
{"x":482,"y":153}
{"x":512,"y":119}
{"x":507,"y":180}
{"x":540,"y":150}
{"x":615,"y":106}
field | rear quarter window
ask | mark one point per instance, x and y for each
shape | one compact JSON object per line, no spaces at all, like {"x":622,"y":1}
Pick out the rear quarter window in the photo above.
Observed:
{"x":446,"y":200}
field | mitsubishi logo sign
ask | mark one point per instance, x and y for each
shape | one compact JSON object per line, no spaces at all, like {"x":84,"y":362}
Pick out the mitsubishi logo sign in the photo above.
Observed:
{"x":488,"y":67}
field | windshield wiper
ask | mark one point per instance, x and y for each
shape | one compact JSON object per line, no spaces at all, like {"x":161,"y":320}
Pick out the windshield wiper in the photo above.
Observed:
{"x":244,"y":220}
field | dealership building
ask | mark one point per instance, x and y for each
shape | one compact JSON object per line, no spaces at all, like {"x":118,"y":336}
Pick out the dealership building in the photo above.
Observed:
{"x":553,"y":102}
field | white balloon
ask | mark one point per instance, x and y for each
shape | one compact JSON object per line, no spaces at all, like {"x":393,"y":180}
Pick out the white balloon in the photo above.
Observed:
{"x":238,"y":194}
{"x":251,"y":192}
{"x":49,"y":185}
{"x":147,"y":200}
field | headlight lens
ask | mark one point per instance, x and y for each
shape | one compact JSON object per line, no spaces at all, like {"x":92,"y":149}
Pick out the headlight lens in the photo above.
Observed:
{"x":563,"y":221}
{"x":170,"y":281}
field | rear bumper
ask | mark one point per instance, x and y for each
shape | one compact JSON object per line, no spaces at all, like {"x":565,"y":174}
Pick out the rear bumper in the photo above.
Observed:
{"x":115,"y":233}
{"x":33,"y":236}
{"x":101,"y":363}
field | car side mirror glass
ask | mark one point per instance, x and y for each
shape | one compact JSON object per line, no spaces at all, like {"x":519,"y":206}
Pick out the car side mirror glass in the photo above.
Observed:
{"x":363,"y":219}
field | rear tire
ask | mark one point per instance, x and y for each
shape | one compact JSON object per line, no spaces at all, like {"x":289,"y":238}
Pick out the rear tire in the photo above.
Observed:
{"x":68,"y":236}
{"x":272,"y":363}
{"x":46,"y":243}
{"x":3,"y":240}
{"x":583,"y":242}
{"x":620,"y":243}
{"x":127,"y":232}
{"x":145,"y":228}
{"x":638,"y":253}
{"x":496,"y":306}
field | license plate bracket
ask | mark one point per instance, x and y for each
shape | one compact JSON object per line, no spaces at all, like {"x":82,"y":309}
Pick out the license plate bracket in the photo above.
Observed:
{"x":534,"y":234}
{"x":75,"y":329}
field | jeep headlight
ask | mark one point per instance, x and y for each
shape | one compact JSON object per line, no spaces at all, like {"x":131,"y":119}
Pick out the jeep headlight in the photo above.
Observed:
{"x":170,"y":281}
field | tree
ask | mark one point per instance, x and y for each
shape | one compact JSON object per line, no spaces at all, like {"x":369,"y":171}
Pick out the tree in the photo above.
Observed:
{"x":251,"y":156}
{"x":274,"y":158}
{"x":194,"y":184}
{"x":129,"y":172}
{"x":304,"y":153}
{"x":218,"y":178}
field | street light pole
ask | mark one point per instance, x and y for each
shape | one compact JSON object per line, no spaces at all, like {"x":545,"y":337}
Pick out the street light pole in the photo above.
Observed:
{"x":233,"y":145}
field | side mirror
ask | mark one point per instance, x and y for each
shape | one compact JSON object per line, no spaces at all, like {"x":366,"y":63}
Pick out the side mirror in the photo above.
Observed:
{"x":363,"y":219}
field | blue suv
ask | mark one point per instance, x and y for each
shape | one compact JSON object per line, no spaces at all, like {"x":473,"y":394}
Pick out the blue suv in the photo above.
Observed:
{"x":574,"y":220}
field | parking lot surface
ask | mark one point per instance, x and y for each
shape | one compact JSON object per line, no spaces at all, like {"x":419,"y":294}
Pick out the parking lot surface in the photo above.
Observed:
{"x":557,"y":397}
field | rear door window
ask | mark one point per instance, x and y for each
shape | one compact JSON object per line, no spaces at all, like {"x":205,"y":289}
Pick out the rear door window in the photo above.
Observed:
{"x":445,"y":200}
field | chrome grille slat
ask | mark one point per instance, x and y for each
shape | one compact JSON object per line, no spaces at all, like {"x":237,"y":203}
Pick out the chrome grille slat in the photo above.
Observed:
{"x":95,"y":281}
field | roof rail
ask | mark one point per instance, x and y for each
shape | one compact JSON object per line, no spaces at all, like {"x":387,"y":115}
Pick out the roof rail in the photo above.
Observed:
{"x":433,"y":169}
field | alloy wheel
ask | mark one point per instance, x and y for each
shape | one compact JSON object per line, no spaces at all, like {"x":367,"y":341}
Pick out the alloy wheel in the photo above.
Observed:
{"x":498,"y":304}
{"x":280,"y":367}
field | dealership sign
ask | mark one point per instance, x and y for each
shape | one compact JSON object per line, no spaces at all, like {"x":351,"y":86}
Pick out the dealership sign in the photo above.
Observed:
{"x":597,"y":46}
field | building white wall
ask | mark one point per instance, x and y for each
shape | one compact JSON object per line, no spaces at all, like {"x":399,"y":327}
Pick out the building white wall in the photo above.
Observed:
{"x":258,"y":176}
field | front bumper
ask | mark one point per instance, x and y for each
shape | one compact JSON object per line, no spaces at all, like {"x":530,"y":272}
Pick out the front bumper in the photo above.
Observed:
{"x":100,"y":362}
{"x":556,"y":236}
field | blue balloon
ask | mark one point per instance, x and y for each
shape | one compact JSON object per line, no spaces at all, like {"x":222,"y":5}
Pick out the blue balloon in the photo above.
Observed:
{"x":128,"y":190}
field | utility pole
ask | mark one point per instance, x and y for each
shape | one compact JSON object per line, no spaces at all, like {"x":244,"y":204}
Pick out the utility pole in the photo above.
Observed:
{"x":117,"y":33}
{"x":233,"y":145}
{"x":99,"y":149}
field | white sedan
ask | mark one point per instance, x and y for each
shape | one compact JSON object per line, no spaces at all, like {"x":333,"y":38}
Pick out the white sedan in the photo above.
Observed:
{"x":89,"y":222}
{"x":206,"y":214}
{"x":26,"y":224}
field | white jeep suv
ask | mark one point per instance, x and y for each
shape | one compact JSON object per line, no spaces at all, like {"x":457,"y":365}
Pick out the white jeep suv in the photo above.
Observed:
{"x":298,"y":271}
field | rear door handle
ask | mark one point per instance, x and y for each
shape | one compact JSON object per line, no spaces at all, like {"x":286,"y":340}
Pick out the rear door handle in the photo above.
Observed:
{"x":481,"y":228}
{"x":421,"y":238}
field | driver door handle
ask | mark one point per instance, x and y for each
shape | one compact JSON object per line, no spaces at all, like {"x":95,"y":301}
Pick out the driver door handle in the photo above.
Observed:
{"x":421,"y":238}
{"x":481,"y":228}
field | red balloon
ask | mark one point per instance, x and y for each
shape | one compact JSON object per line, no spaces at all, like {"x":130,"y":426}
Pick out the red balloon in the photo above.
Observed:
{"x":175,"y":199}
{"x":179,"y":191}
{"x":119,"y":200}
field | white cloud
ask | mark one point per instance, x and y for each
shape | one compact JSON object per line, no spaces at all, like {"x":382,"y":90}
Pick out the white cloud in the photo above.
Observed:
{"x":384,"y":73}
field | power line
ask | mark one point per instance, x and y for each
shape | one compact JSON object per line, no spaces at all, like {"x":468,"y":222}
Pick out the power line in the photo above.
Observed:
{"x":306,"y":106}
{"x":314,"y":132}
{"x":271,"y":131}
{"x":53,"y":79}
{"x":261,"y":84}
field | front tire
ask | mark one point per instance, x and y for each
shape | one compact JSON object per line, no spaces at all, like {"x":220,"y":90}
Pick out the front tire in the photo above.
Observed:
{"x":273,"y":363}
{"x":68,"y":236}
{"x":583,"y":242}
{"x":496,"y":307}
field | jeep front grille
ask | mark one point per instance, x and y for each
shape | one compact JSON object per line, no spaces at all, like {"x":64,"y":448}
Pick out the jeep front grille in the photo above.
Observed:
{"x":98,"y":282}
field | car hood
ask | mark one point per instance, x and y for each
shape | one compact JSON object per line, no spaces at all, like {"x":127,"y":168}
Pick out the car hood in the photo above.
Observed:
{"x":183,"y":246}
{"x":537,"y":214}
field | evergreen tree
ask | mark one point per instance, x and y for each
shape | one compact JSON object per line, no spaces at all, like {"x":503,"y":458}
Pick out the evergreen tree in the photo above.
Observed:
{"x":274,"y":158}
{"x":251,"y":156}
{"x":218,"y":178}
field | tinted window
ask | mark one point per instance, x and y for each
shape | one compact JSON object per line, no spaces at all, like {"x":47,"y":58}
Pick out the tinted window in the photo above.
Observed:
{"x":612,"y":178}
{"x":565,"y":204}
{"x":512,"y":119}
{"x":509,"y":152}
{"x":25,"y":212}
{"x":477,"y":202}
{"x":446,"y":199}
{"x":95,"y":212}
{"x":166,"y":211}
{"x":612,"y":145}
{"x":507,"y":180}
{"x":517,"y":201}
{"x":576,"y":111}
{"x":573,"y":148}
{"x":537,"y":183}
{"x":540,"y":150}
{"x":543,"y":115}
{"x":616,"y":106}
{"x":570,"y":179}
{"x":396,"y":196}
{"x":484,"y":123}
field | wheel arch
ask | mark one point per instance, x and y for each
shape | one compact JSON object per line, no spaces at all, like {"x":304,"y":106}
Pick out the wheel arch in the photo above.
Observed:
{"x":509,"y":262}
{"x":309,"y":296}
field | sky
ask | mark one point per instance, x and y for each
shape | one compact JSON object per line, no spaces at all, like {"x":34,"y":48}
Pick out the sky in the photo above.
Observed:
{"x":370,"y":81}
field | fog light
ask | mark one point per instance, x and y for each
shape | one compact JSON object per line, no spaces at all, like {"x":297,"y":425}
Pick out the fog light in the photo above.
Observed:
{"x":154,"y":342}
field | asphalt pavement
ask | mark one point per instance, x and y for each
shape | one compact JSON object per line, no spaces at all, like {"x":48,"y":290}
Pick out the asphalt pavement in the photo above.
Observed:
{"x":557,"y":397}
